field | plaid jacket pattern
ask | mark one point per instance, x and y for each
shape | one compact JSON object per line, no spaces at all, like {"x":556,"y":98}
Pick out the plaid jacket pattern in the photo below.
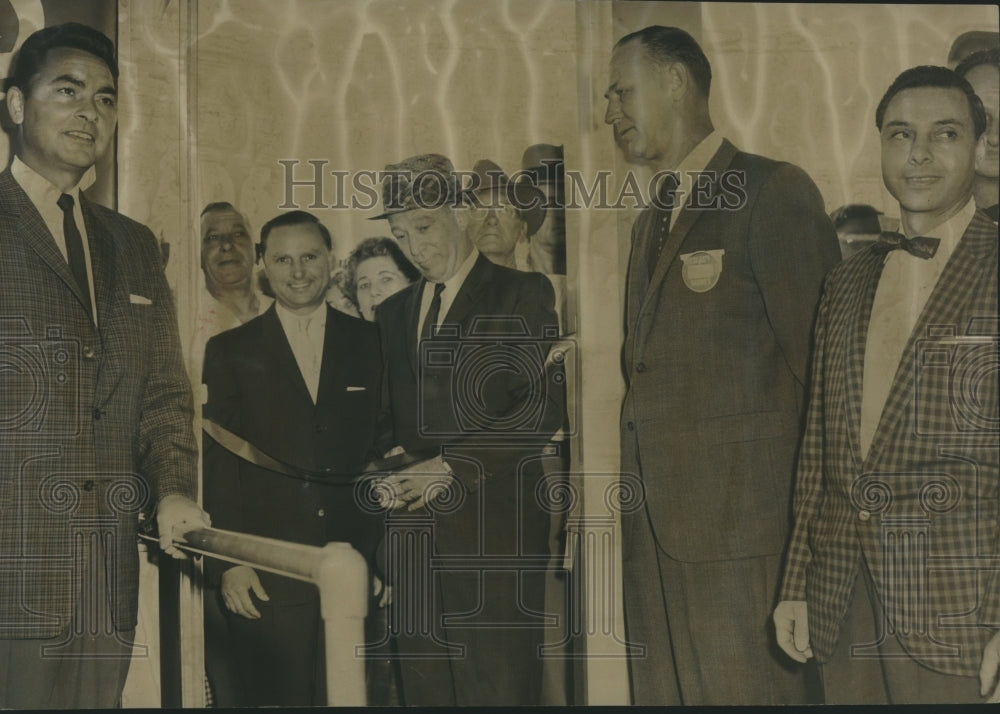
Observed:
{"x":95,"y":422}
{"x":922,"y":509}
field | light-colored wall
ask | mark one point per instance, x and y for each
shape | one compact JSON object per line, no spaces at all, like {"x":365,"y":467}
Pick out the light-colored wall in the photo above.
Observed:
{"x":800,"y":82}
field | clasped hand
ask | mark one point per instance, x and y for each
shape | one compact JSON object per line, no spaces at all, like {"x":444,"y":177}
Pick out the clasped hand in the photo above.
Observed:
{"x":415,"y":486}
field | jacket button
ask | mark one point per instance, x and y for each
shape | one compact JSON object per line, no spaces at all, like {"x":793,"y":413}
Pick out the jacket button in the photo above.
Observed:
{"x":631,"y":426}
{"x":321,"y":513}
{"x":863,"y":516}
{"x":98,"y":413}
{"x":641,"y":367}
{"x":88,"y":485}
{"x":88,"y":352}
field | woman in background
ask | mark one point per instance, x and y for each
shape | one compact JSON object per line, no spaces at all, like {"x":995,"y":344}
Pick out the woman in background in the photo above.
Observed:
{"x":375,"y":270}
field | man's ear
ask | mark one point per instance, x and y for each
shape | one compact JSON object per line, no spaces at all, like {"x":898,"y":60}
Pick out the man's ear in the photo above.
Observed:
{"x":675,"y":79}
{"x":981,"y":152}
{"x":461,"y":215}
{"x":15,"y":104}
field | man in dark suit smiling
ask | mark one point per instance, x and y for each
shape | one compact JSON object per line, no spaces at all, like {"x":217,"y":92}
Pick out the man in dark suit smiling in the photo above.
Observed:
{"x":301,"y":384}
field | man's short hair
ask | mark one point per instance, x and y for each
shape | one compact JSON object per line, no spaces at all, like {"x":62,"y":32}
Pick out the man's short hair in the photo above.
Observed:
{"x":990,"y":58}
{"x":672,"y":44}
{"x":932,"y":76}
{"x":220,"y":206}
{"x":292,"y":218}
{"x":31,"y":56}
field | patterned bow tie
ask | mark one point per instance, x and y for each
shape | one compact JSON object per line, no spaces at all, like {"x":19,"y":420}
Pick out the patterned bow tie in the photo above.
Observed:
{"x":919,"y":246}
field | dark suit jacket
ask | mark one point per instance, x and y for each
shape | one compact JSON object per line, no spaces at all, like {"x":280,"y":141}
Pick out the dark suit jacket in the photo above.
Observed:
{"x":255,"y":390}
{"x":712,"y":414}
{"x":480,"y":394}
{"x":933,"y":468}
{"x":96,"y":421}
{"x":480,"y":386}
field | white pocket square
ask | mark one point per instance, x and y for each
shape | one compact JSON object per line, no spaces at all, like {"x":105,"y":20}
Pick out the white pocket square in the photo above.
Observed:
{"x":355,"y":389}
{"x":139,"y":299}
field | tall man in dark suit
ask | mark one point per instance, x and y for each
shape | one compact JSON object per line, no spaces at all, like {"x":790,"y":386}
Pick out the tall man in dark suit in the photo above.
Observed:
{"x":96,"y":406}
{"x":891,"y":573}
{"x":301,"y":383}
{"x":720,"y":299}
{"x":465,"y":351}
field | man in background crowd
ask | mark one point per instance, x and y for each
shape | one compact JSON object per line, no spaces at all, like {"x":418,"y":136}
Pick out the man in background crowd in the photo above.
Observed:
{"x":723,"y":281}
{"x":890,"y":578}
{"x":858,"y":225}
{"x":227,"y":261}
{"x":502,"y":215}
{"x":542,"y":167}
{"x":982,"y":71}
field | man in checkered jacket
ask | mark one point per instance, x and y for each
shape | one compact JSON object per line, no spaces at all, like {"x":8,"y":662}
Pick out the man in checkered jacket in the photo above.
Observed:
{"x":95,"y":406}
{"x":891,"y":574}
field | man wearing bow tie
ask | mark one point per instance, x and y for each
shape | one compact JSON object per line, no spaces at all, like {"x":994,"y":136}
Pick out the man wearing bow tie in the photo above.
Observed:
{"x":301,"y":383}
{"x":891,"y":575}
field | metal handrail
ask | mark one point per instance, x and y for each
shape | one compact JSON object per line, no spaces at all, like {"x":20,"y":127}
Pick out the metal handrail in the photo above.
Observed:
{"x":338,"y":571}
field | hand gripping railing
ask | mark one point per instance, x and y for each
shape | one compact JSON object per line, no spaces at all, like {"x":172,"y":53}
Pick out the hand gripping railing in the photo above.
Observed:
{"x":339,"y":572}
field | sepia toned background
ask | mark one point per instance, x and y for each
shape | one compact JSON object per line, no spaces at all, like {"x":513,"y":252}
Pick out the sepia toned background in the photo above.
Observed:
{"x":215,"y":93}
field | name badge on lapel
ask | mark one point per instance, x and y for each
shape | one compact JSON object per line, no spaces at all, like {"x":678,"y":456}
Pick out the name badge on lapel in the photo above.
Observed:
{"x":701,"y":270}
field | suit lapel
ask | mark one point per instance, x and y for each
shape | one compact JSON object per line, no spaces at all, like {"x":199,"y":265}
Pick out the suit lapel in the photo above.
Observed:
{"x":683,"y":222}
{"x":948,"y":305}
{"x":466,"y":299}
{"x":330,"y":368}
{"x":413,"y":322}
{"x":112,"y":302}
{"x":281,"y":352}
{"x":32,"y":230}
{"x":859,"y":311}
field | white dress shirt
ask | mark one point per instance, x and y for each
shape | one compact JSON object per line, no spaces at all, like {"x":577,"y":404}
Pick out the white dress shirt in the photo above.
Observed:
{"x":451,"y":287}
{"x":903,"y":290}
{"x":44,"y":196}
{"x":305,"y":334}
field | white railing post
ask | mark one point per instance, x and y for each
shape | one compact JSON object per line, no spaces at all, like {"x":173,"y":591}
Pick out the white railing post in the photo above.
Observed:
{"x":340,"y":573}
{"x":342,"y":579}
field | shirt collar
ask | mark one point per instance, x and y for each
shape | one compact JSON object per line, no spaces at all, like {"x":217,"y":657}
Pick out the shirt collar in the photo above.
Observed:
{"x":287,"y":317}
{"x":696,"y":161}
{"x":698,"y":158}
{"x":40,"y":190}
{"x":951,"y":231}
{"x":452,"y":284}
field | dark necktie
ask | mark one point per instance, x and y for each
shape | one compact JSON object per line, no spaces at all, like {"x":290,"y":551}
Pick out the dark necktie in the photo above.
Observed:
{"x":74,"y":250}
{"x":432,"y":314}
{"x":663,"y":212}
{"x":919,"y":246}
